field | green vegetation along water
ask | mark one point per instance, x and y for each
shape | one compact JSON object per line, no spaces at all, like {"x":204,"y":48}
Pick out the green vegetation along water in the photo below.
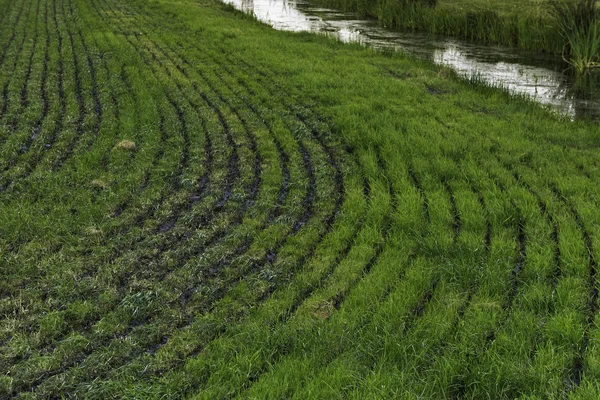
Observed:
{"x":545,"y":78}
{"x":527,"y":24}
{"x":196,"y":205}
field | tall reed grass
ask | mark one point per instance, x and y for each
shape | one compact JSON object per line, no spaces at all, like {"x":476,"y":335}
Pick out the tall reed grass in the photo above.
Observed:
{"x":578,"y":22}
{"x":530,"y":31}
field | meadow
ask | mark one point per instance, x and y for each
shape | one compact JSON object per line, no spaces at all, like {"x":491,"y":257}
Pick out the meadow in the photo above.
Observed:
{"x":193,"y":205}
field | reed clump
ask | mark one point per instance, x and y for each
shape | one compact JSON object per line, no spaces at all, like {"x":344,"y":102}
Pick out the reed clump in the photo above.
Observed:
{"x":579,"y":24}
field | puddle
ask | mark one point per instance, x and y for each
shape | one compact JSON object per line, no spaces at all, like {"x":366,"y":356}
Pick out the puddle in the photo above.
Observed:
{"x":540,"y":77}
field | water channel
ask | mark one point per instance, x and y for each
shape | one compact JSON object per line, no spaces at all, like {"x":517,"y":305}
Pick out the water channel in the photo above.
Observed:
{"x":543,"y":78}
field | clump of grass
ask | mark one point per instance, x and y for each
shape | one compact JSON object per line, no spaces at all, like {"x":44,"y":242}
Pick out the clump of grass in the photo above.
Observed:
{"x":579,"y":24}
{"x":99,"y":184}
{"x":93,"y":231}
{"x":125,"y":145}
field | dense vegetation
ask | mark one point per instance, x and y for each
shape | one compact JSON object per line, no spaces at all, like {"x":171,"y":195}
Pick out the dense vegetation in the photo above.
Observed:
{"x":193,"y":204}
{"x":579,"y":24}
{"x":528,"y":24}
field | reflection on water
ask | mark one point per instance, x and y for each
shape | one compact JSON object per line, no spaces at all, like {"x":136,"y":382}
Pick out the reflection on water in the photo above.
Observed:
{"x":540,"y":77}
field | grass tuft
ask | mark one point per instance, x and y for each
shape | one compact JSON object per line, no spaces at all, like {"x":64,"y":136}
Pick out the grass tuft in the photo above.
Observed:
{"x":579,"y":24}
{"x":125,"y":145}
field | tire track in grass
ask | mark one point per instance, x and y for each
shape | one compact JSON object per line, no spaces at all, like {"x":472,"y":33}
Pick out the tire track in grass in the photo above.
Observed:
{"x":423,"y":302}
{"x":574,"y":380}
{"x":270,"y":258}
{"x":43,"y":95}
{"x":386,"y":229}
{"x":98,"y":108}
{"x":338,"y":179}
{"x":233,"y":160}
{"x":578,"y":367}
{"x":549,"y":221}
{"x":316,"y":135}
{"x":14,"y":162}
{"x":243,"y":248}
{"x":51,"y":348}
{"x":233,"y":166}
{"x":59,"y":123}
{"x":138,"y":140}
{"x":12,"y":72}
{"x":13,"y":33}
{"x":63,"y":9}
{"x":70,"y":146}
{"x":25,"y":88}
{"x":442,"y":347}
{"x":186,"y":62}
{"x":174,"y":183}
{"x":60,"y":86}
{"x":60,"y":120}
{"x":512,"y":291}
{"x":124,"y":204}
{"x":417,"y":184}
{"x":79,"y":359}
{"x":213,"y":90}
{"x":577,"y":370}
{"x":204,"y":179}
{"x":338,"y":298}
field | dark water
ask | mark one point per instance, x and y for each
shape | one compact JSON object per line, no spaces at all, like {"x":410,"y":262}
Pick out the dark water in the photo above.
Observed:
{"x":543,"y":78}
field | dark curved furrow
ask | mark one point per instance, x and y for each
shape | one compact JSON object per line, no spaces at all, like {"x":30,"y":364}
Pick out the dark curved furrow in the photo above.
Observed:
{"x":203,"y":180}
{"x":304,"y":216}
{"x":13,"y":31}
{"x":193,"y":205}
{"x":423,"y":302}
{"x":79,"y":96}
{"x":298,"y":224}
{"x":509,"y":297}
{"x":43,"y":96}
{"x":417,"y":184}
{"x":12,"y":124}
{"x":455,"y":213}
{"x":24,"y":89}
{"x":577,"y":370}
{"x":441,"y":348}
{"x":60,"y":83}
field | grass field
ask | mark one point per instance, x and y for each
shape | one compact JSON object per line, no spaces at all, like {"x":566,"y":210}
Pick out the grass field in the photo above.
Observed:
{"x":194,"y":205}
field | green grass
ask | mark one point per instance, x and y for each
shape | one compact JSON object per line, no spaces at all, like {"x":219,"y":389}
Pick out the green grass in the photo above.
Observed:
{"x":296,"y":217}
{"x":528,"y":24}
{"x":579,"y":23}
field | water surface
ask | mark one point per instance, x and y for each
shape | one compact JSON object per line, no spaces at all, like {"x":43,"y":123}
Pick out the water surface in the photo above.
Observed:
{"x":543,"y":78}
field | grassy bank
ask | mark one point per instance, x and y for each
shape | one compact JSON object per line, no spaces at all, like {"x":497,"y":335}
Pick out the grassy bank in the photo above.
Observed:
{"x":529,"y":25}
{"x":195,"y":205}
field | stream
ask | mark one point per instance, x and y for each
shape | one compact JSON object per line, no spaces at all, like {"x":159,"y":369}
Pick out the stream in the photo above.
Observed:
{"x":541,"y":77}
